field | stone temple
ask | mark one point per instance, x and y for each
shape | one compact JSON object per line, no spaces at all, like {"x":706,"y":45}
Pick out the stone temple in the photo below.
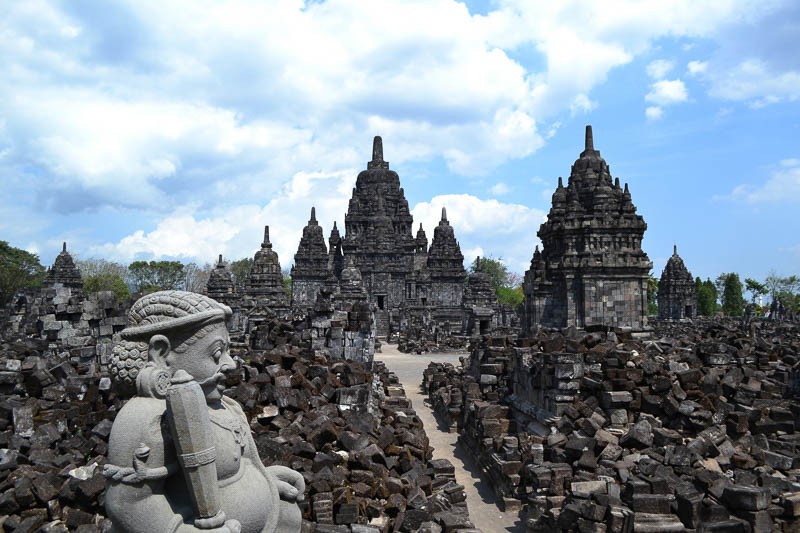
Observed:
{"x":401,"y":276}
{"x":592,"y":270}
{"x":677,"y":292}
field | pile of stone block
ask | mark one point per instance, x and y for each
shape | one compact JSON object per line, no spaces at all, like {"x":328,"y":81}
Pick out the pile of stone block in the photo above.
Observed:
{"x":79,"y":327}
{"x":693,"y":428}
{"x":470,"y":404}
{"x":357,"y":441}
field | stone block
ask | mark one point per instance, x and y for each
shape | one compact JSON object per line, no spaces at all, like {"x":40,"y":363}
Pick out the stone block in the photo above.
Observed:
{"x":739,"y":497}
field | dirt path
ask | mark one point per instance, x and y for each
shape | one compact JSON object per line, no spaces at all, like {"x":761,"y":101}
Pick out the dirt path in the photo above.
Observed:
{"x":480,"y":499}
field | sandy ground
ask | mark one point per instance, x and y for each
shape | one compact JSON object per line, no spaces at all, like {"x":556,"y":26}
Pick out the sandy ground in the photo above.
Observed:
{"x":483,"y":510}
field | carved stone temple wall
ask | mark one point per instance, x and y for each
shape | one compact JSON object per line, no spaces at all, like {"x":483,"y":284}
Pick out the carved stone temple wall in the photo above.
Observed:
{"x":592,"y":270}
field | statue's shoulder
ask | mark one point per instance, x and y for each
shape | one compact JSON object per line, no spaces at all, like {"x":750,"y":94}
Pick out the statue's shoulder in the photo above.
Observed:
{"x":140,"y":422}
{"x":143,"y":408}
{"x":233,"y":405}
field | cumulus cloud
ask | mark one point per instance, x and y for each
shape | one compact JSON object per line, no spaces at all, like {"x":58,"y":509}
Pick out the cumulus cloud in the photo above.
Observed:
{"x":666,"y":92}
{"x":754,"y":59}
{"x":659,"y":68}
{"x":696,"y":67}
{"x":653,"y":113}
{"x":500,"y":189}
{"x":782,"y":186}
{"x":238,"y":232}
{"x":754,"y":81}
{"x":663,"y":93}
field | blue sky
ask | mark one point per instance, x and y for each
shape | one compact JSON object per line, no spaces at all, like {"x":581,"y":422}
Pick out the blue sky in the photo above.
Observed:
{"x":141,"y":130}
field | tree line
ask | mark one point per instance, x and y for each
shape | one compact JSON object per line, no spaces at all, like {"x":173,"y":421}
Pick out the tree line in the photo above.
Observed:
{"x":20,"y":269}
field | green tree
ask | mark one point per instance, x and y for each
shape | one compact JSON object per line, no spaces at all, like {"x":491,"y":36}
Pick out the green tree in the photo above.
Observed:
{"x":156,"y":276}
{"x":755,"y":288}
{"x":706,"y":297}
{"x":101,"y":275}
{"x":240,"y":269}
{"x":732,"y":299}
{"x":105,"y":282}
{"x":784,"y":289}
{"x":512,"y":296}
{"x":652,"y":295}
{"x":18,"y":270}
{"x":496,"y":270}
{"x":507,"y":285}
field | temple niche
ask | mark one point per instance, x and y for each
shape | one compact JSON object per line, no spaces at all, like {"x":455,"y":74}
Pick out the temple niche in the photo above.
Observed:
{"x":591,"y":270}
{"x":677,"y":292}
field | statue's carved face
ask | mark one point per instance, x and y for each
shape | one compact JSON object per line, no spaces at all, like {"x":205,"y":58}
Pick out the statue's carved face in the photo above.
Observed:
{"x":208,"y":361}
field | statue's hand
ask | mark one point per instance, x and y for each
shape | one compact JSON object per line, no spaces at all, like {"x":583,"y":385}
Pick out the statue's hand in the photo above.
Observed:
{"x":290,"y":484}
{"x":230,"y":526}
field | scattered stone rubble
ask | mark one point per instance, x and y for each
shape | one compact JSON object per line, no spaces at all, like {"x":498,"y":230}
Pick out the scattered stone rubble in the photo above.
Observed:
{"x":692,"y":429}
{"x":347,"y":428}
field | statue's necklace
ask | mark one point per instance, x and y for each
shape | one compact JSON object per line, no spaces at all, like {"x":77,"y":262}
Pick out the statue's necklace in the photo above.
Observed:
{"x":231,"y":423}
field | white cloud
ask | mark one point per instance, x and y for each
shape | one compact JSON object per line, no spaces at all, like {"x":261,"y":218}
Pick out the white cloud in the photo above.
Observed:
{"x":659,"y":68}
{"x":695,"y":68}
{"x":499,"y":189}
{"x":666,"y":92}
{"x":238,"y":232}
{"x":752,"y":80}
{"x":653,"y":113}
{"x":782,"y":186}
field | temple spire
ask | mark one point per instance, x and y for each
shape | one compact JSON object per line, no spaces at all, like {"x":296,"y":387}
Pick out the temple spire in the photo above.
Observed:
{"x":589,"y":139}
{"x":313,"y":214}
{"x":64,"y":246}
{"x":377,"y":148}
{"x":675,"y":249}
{"x":266,"y":242}
{"x":444,"y":214}
{"x":377,"y":154}
{"x":219,"y":261}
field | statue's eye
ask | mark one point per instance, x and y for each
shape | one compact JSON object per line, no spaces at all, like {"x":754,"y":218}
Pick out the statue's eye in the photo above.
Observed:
{"x":217,"y":354}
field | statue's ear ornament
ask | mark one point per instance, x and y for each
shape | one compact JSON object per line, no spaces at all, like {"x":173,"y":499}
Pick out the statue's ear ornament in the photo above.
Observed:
{"x":152,"y":382}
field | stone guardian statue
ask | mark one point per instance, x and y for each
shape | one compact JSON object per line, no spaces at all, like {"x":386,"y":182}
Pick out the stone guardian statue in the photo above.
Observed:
{"x":181,"y":457}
